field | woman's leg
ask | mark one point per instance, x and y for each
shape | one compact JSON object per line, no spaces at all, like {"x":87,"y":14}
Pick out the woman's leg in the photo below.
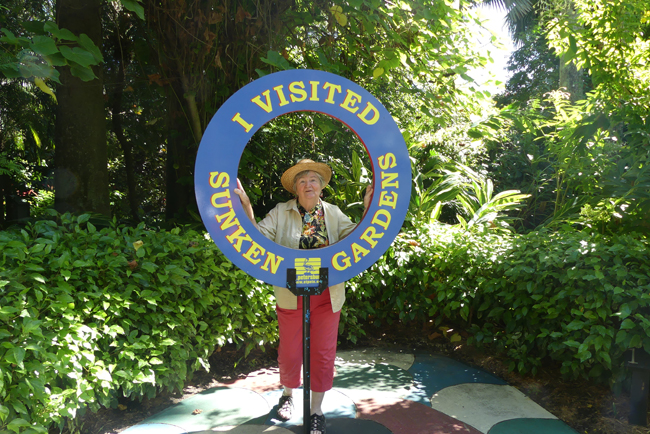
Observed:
{"x":317,"y":402}
{"x":290,"y":347}
{"x":324,"y":334}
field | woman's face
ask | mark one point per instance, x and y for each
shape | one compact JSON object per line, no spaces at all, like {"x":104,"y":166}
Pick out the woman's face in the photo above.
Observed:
{"x":308,"y":187}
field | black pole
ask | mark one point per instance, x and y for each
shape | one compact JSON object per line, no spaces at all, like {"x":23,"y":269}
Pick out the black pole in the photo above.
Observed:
{"x":306,"y":293}
{"x":639,"y":397}
{"x":306,"y":362}
{"x":638,"y":361}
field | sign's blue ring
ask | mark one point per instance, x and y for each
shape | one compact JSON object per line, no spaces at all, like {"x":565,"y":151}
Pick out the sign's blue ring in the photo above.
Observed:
{"x":256,"y":104}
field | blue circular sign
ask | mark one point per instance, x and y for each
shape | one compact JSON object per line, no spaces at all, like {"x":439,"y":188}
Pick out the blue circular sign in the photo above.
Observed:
{"x":259,"y":102}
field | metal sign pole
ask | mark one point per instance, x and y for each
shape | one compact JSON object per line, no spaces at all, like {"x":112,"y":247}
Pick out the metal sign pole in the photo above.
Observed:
{"x":306,"y":294}
{"x":306,"y":361}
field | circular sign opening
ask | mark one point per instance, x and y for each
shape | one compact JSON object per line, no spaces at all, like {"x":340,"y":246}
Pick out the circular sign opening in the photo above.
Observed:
{"x":281,"y":142}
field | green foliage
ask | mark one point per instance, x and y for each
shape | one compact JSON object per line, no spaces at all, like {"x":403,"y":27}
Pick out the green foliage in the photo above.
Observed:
{"x":484,"y":208}
{"x":441,"y":184}
{"x":534,"y":68}
{"x":573,"y":298}
{"x":10,"y":168}
{"x":568,"y":156}
{"x":350,"y":186}
{"x":88,"y":315}
{"x":583,"y":162}
{"x":426,"y":274}
{"x":38,"y":53}
{"x":579,"y":299}
{"x":436,"y":181}
{"x":612,"y":42}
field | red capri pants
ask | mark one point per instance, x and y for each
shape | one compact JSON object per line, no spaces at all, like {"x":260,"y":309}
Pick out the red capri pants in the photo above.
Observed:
{"x":323,"y":335}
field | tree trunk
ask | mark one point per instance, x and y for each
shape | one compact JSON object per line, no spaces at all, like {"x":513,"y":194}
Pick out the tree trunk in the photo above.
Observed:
{"x":570,"y":78}
{"x":122,"y":52}
{"x":195,"y":117}
{"x":181,"y":155}
{"x":4,"y":195}
{"x":127,"y":148}
{"x":81,"y":172}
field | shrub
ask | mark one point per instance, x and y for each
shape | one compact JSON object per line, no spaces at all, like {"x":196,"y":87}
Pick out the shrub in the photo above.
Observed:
{"x":428,"y":273}
{"x":576,"y":298}
{"x":87,"y":315}
{"x":580,"y":299}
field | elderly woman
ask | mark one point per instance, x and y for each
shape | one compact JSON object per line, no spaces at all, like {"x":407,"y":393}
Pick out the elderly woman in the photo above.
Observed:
{"x":306,"y":222}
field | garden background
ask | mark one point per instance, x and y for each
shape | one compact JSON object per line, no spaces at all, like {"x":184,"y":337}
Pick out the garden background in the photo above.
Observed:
{"x":527,"y":228}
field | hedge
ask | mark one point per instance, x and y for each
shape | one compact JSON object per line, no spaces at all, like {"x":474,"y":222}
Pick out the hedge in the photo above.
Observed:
{"x":575,"y":298}
{"x":88,"y":315}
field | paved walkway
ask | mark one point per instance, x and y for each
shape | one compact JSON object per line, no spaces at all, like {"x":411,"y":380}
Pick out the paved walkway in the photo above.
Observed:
{"x":376,"y":391}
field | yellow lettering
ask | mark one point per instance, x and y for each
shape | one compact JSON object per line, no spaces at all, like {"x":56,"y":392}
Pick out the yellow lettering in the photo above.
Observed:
{"x":238,"y":237}
{"x":332,"y":88}
{"x":222,"y":205}
{"x":364,"y":114}
{"x":387,"y":180}
{"x":267,"y":107}
{"x":225,"y":193}
{"x":223,"y":179}
{"x":350,"y":100}
{"x":270,"y":260}
{"x":253,"y":252}
{"x":370,"y":235}
{"x":231,"y":220}
{"x":297,"y":88}
{"x":237,"y":118}
{"x":387,"y":161}
{"x":377,"y":221}
{"x":314,"y":90}
{"x":346,"y":261}
{"x":280,"y":92}
{"x":358,"y":252}
{"x":385,"y":200}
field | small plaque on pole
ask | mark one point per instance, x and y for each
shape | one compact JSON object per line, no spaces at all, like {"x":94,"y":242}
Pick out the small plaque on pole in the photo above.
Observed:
{"x":307,"y":272}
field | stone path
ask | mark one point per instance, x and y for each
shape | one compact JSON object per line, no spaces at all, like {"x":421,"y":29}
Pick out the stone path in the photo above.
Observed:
{"x":376,"y":391}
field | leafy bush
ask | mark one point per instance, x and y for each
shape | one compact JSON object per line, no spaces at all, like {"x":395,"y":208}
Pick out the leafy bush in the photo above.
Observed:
{"x":576,"y":298}
{"x":87,"y":315}
{"x":580,"y":299}
{"x":428,"y":273}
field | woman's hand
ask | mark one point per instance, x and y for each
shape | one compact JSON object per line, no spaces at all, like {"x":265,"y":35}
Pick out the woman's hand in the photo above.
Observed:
{"x":243,"y":197}
{"x":367,"y":197}
{"x":245,"y":202}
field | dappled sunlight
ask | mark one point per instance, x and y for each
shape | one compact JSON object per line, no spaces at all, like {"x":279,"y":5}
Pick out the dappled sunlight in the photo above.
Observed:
{"x":261,"y":381}
{"x":371,"y":356}
{"x":376,"y":378}
{"x":407,"y":416}
{"x":246,"y":429}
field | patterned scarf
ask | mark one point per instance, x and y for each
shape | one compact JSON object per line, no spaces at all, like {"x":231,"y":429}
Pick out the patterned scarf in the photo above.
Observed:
{"x":314,"y":233}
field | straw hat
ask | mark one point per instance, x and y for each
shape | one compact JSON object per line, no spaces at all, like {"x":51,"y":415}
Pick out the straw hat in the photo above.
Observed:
{"x":305,"y":164}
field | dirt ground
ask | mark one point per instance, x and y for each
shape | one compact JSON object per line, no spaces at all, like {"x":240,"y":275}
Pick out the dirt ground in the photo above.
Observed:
{"x":586,"y":407}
